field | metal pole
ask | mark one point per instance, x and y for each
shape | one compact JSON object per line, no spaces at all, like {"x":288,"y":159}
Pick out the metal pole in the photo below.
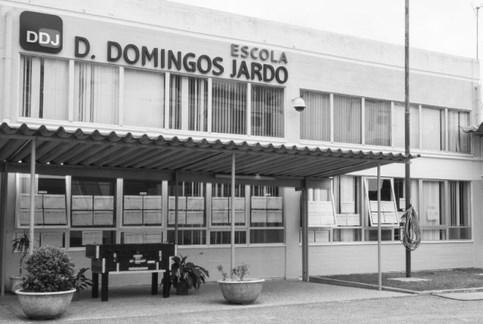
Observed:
{"x":379,"y":188}
{"x":477,"y":31}
{"x":233,"y":211}
{"x":32,"y":195}
{"x":305,"y":235}
{"x":406,"y":127}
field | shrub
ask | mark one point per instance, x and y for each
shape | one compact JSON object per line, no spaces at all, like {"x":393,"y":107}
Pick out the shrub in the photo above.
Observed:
{"x":187,"y":274}
{"x":49,"y":269}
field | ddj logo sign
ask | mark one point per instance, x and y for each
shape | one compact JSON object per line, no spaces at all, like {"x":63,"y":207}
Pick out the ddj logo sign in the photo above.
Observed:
{"x":40,"y":32}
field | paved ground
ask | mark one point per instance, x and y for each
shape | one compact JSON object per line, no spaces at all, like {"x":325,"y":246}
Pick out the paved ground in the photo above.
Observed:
{"x":281,"y":302}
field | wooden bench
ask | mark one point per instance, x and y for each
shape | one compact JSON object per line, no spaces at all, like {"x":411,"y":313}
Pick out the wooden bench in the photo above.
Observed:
{"x":117,"y":259}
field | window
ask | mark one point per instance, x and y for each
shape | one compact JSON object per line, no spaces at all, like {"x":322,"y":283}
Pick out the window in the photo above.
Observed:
{"x":459,"y":202}
{"x":198,"y":104}
{"x":388,"y":213}
{"x":143,"y":98}
{"x":387,"y":203}
{"x":333,"y":210}
{"x":191,"y":216}
{"x":92,"y":208}
{"x":378,"y":122}
{"x":266,"y":215}
{"x":142,"y":203}
{"x":224,"y":237}
{"x":458,"y":140}
{"x":221,"y":204}
{"x":432,"y":129}
{"x":315,"y":119}
{"x":398,"y":127}
{"x":175,"y":100}
{"x":96,"y":93}
{"x":320,"y":205}
{"x":50,"y":201}
{"x":188,"y":103}
{"x":229,"y":107}
{"x":347,"y":192}
{"x":267,"y":111}
{"x":432,"y":217}
{"x":221,"y":214}
{"x":50,"y":213}
{"x":44,"y":88}
{"x":400,"y":194}
{"x":347,"y":189}
{"x":347,"y":119}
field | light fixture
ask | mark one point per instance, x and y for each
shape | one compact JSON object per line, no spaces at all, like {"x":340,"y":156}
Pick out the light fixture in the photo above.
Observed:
{"x":298,"y":104}
{"x":244,"y":177}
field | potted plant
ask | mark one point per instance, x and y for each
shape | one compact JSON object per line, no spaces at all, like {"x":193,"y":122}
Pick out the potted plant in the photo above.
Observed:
{"x":81,"y":282}
{"x":20,"y":244}
{"x":238,"y":289}
{"x":49,"y":284}
{"x":186,"y":275}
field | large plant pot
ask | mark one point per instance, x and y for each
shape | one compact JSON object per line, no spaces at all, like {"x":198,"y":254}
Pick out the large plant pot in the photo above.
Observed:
{"x":44,"y":305}
{"x":241,"y":291}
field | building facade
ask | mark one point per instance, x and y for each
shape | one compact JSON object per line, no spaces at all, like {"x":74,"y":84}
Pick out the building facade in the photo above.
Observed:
{"x":151,"y":68}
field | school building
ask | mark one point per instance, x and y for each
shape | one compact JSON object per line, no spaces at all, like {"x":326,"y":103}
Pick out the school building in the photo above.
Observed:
{"x":118,"y":107}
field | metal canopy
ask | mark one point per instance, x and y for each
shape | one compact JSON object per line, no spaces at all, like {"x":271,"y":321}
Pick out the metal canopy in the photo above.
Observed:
{"x":62,"y":151}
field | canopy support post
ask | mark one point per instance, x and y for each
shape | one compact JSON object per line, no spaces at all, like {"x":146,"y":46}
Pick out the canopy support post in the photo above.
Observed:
{"x":32,"y":194}
{"x":233,"y":211}
{"x":305,"y":234}
{"x":176,"y":195}
{"x":379,"y":188}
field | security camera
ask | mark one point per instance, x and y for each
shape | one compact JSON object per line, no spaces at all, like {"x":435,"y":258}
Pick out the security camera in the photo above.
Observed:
{"x":299,"y":104}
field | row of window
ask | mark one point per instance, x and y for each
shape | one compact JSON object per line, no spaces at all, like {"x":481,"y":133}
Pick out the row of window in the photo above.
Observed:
{"x":123,"y":96}
{"x":346,"y":119}
{"x":443,"y":208}
{"x":80,"y":211}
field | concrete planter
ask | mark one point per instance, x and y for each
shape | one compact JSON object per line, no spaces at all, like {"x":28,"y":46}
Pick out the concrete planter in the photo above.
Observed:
{"x":241,"y":291}
{"x":44,"y":305}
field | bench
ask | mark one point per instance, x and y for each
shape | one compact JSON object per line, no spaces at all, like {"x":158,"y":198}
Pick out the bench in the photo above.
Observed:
{"x":118,"y":259}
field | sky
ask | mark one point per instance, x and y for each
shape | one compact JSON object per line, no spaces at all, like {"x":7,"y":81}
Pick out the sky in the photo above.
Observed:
{"x":447,"y":26}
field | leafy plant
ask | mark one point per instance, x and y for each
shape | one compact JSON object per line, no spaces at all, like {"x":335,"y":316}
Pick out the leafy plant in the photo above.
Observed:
{"x":20,"y":244}
{"x":237,"y":273}
{"x":49,"y":269}
{"x":187,"y":275}
{"x":81,"y":282}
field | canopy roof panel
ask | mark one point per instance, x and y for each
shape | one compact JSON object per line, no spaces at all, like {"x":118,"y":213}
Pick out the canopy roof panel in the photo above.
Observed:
{"x":76,"y":149}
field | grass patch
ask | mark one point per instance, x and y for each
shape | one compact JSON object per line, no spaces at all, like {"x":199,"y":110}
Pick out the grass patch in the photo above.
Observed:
{"x":459,"y":278}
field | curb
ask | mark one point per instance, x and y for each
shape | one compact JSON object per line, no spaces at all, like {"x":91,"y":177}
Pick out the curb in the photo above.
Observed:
{"x":357,"y":284}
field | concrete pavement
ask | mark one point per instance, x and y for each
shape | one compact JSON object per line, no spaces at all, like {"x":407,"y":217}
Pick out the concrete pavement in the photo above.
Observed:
{"x":136,"y":303}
